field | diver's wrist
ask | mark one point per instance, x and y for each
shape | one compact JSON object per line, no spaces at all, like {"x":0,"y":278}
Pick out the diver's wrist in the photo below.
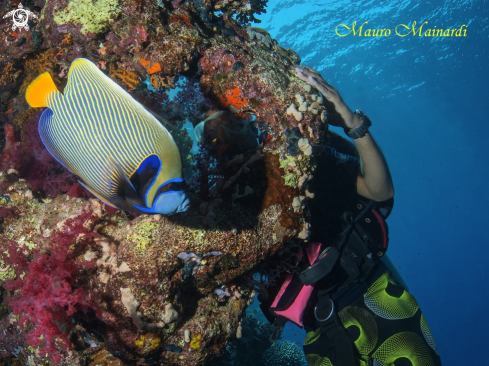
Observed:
{"x":353,"y":122}
{"x":362,"y":129}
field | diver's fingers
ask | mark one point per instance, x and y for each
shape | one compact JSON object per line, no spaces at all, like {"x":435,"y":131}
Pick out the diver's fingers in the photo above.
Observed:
{"x":306,"y":73}
{"x":301,"y":73}
{"x":326,"y":90}
{"x":311,"y":72}
{"x":312,"y":79}
{"x":307,"y":69}
{"x":323,"y":82}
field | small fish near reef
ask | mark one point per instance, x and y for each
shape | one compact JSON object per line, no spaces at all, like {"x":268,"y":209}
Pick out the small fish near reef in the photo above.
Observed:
{"x":232,"y":135}
{"x":124,"y":156}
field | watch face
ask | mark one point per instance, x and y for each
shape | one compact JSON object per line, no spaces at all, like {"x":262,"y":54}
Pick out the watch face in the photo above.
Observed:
{"x":360,"y":114}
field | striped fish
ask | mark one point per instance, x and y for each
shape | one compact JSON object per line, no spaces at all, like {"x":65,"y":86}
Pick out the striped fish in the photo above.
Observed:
{"x":124,"y":156}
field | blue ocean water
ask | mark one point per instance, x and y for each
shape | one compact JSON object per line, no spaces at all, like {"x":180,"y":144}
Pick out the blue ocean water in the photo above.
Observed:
{"x":427,"y":99}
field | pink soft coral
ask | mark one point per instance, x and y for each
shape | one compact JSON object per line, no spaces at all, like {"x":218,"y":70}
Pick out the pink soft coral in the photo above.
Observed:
{"x":47,"y":296}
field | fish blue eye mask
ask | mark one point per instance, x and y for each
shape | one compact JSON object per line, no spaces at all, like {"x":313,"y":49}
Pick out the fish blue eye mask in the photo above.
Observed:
{"x":124,"y":156}
{"x":168,"y":195}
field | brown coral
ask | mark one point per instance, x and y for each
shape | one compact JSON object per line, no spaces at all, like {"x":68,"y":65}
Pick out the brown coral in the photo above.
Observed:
{"x":158,"y":82}
{"x":9,"y":74}
{"x":182,"y":19}
{"x":42,"y":62}
{"x":129,"y":78}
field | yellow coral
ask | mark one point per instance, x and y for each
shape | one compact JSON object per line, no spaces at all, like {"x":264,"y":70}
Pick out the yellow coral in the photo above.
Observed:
{"x":195,"y":343}
{"x":148,"y":342}
{"x":95,"y":16}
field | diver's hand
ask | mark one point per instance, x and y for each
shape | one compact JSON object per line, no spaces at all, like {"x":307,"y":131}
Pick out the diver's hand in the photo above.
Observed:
{"x":314,"y":78}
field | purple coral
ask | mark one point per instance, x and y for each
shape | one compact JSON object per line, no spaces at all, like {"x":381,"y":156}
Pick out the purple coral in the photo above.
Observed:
{"x":188,"y":104}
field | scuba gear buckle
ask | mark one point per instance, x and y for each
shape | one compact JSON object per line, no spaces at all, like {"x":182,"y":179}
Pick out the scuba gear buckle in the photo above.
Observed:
{"x":329,"y":316}
{"x":278,"y":327}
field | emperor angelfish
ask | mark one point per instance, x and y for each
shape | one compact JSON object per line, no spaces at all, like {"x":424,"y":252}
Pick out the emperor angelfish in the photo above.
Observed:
{"x":95,"y":129}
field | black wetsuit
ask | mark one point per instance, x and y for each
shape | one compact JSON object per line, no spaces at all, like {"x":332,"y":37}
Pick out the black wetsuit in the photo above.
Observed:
{"x":383,"y":320}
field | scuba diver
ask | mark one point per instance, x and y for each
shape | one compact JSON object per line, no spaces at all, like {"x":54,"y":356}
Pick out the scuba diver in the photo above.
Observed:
{"x":346,"y":293}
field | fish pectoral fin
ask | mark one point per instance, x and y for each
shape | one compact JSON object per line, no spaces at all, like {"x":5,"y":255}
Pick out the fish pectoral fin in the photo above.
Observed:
{"x":92,"y":191}
{"x":122,"y":187}
{"x":38,"y":90}
{"x":145,"y":174}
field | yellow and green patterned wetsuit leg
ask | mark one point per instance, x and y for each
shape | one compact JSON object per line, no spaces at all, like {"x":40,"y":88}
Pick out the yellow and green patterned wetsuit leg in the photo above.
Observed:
{"x":386,"y":326}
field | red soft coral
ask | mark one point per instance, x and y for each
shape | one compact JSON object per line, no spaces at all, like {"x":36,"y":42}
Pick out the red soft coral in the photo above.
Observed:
{"x":26,"y":153}
{"x":47,"y":297}
{"x":11,"y":156}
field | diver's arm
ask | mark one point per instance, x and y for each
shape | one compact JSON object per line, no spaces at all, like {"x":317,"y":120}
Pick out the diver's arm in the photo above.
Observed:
{"x":374,"y":181}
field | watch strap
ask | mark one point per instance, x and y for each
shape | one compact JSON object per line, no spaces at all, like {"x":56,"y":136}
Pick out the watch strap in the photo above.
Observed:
{"x":360,"y":131}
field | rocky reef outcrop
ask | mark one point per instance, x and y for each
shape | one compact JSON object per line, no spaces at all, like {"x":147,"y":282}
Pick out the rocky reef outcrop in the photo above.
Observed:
{"x":84,"y":284}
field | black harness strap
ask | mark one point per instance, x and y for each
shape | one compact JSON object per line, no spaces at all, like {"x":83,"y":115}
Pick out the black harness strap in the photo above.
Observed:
{"x":331,"y":326}
{"x":346,"y":249}
{"x":321,"y":267}
{"x":328,"y":257}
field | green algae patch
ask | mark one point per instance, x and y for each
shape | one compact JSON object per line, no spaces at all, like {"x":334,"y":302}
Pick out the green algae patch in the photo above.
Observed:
{"x":93,"y":15}
{"x":171,"y":328}
{"x":6,"y":274}
{"x":291,"y":177}
{"x":142,"y":236}
{"x":22,"y":242}
{"x":294,"y":167}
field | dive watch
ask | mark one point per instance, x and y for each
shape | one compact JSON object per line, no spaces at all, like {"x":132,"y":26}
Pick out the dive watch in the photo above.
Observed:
{"x":360,"y":131}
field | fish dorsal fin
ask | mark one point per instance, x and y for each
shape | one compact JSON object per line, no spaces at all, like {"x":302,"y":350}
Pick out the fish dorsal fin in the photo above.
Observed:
{"x":37,"y":92}
{"x":83,"y":71}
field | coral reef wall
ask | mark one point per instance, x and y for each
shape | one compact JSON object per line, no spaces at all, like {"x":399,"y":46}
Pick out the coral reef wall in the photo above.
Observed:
{"x":85,"y":284}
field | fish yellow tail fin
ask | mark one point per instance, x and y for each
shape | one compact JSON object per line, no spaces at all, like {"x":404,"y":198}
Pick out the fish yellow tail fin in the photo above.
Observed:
{"x":37,"y":91}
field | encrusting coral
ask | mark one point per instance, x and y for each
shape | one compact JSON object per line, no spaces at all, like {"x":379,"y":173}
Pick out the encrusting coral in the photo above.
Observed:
{"x":86,"y":284}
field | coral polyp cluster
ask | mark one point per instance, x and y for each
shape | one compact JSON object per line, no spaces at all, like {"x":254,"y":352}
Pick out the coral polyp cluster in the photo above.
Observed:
{"x":85,"y":284}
